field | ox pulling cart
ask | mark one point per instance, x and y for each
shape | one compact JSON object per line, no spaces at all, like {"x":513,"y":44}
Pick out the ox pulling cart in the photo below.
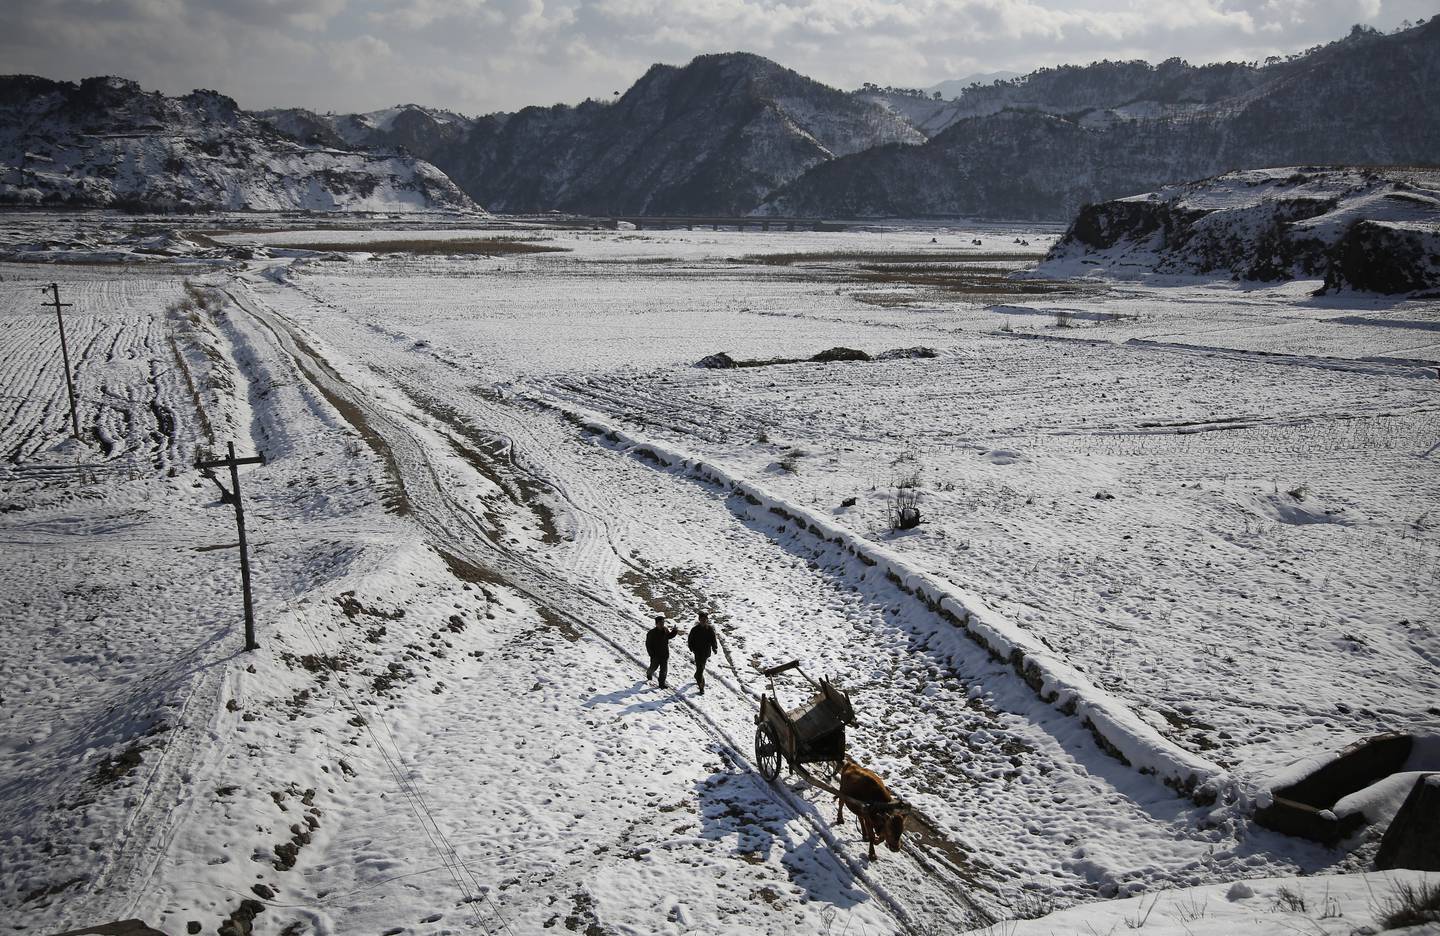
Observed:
{"x":810,"y":739}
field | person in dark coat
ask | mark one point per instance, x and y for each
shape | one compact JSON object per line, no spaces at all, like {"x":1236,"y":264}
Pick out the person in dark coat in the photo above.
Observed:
{"x":657,"y":644}
{"x":703,"y":642}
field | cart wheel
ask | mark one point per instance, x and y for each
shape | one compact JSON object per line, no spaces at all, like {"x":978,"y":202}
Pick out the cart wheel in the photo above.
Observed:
{"x":767,"y":752}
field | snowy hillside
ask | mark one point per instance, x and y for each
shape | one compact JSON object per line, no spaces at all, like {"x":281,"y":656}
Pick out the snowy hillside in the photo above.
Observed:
{"x":1043,"y":146}
{"x":106,"y":142}
{"x":1376,"y":230}
{"x":736,"y":134}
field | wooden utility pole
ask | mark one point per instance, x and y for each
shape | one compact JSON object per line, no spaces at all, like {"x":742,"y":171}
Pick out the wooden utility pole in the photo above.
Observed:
{"x":57,"y":305}
{"x":234,"y":464}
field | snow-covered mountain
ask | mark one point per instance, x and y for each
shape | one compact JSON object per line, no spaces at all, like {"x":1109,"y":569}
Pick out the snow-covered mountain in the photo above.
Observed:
{"x":736,"y":133}
{"x":106,"y":142}
{"x":1376,"y":230}
{"x":1043,"y":146}
{"x":410,"y":128}
{"x":712,"y":137}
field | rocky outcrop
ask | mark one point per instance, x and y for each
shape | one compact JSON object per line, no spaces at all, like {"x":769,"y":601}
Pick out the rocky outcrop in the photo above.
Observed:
{"x":1365,"y":229}
{"x":1386,"y":257}
{"x":407,"y":128}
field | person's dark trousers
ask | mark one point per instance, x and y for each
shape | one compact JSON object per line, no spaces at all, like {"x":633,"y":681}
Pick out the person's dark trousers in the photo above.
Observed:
{"x":660,"y":663}
{"x":700,"y":662}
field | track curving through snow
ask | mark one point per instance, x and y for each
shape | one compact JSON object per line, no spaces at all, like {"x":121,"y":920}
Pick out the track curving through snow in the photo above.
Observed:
{"x":927,"y":897}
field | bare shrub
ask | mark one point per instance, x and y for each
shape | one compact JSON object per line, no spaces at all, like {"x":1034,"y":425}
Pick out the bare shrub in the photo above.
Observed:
{"x":790,"y":461}
{"x":1288,"y":900}
{"x":1033,"y":906}
{"x":1189,"y":909}
{"x":197,"y":299}
{"x":1062,"y":318}
{"x":903,"y":509}
{"x":1412,"y":904}
{"x":1142,"y":915}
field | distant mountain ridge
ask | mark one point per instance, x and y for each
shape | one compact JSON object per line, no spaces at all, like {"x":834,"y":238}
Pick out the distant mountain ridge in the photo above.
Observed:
{"x":105,"y":142}
{"x":954,"y":87}
{"x":735,"y":133}
{"x":1043,"y":146}
{"x":412,"y":128}
{"x":714,"y":136}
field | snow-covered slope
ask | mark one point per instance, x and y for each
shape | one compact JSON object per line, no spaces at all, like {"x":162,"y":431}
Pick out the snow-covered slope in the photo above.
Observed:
{"x":1367,"y":229}
{"x":1046,"y":145}
{"x":925,"y":112}
{"x":106,"y":142}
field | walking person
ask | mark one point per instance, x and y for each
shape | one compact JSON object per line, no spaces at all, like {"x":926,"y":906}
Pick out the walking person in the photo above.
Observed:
{"x":657,"y":644}
{"x":703,"y":642}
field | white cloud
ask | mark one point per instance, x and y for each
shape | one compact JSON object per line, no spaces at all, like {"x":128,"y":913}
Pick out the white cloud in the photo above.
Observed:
{"x":360,"y":59}
{"x":484,"y":55}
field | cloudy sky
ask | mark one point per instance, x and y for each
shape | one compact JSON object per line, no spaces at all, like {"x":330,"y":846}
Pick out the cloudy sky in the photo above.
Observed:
{"x":478,"y":56}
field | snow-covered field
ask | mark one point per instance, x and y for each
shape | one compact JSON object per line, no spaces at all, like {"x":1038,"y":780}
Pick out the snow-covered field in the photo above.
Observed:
{"x":1206,"y":512}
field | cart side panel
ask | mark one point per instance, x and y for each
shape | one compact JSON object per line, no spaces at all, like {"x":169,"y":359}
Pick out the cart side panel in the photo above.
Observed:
{"x":779,"y":722}
{"x":838,"y":700}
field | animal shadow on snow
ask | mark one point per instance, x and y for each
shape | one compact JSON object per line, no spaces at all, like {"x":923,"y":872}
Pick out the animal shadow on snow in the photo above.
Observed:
{"x":735,"y":806}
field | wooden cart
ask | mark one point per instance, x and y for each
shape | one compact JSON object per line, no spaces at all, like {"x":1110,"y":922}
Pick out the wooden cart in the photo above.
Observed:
{"x":813,"y":733}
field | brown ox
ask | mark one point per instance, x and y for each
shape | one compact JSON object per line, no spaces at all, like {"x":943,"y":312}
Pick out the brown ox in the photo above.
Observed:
{"x":879,"y":812}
